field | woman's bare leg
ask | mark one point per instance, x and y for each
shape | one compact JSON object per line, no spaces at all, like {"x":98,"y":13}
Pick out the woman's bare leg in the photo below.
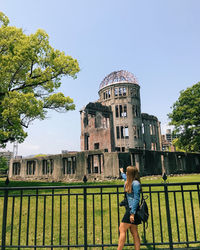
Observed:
{"x":136,"y":237}
{"x":122,"y":237}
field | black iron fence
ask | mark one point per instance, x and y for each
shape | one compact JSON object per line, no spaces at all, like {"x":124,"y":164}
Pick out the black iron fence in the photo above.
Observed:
{"x":88,"y":217}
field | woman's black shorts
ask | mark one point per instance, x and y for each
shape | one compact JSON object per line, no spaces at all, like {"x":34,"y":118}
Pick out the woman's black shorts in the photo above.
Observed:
{"x":126,"y":218}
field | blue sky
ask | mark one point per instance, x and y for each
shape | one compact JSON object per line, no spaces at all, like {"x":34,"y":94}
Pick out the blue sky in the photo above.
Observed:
{"x":156,"y":40}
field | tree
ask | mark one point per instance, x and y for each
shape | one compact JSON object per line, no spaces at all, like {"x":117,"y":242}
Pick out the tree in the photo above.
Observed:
{"x":3,"y":164}
{"x":185,"y":117}
{"x":30,"y":73}
{"x":175,"y":143}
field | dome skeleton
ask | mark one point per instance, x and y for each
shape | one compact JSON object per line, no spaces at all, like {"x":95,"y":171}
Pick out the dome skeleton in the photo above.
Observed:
{"x":118,"y":76}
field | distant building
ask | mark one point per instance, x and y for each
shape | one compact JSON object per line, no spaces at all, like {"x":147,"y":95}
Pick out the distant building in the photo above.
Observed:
{"x":115,"y":122}
{"x":167,"y":140}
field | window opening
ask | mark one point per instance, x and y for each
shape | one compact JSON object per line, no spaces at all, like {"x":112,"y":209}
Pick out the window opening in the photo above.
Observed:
{"x":86,"y":141}
{"x":122,"y":132}
{"x":142,"y":128}
{"x":125,"y":111}
{"x":120,"y":110}
{"x":96,"y":146}
{"x":109,"y":93}
{"x":120,"y":91}
{"x":135,"y":131}
{"x":136,"y":110}
{"x":106,"y":94}
{"x":116,"y":91}
{"x":126,"y":132}
{"x":138,"y":133}
{"x":69,"y":165}
{"x":116,"y":111}
{"x":94,"y":163}
{"x":133,"y":110}
{"x":73,"y":164}
{"x":124,"y":91}
{"x":117,"y":131}
{"x":16,"y":168}
{"x":30,"y":167}
{"x":151,"y":131}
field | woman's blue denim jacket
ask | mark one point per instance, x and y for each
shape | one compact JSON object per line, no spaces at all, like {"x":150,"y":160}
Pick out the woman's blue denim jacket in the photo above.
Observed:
{"x":133,"y":197}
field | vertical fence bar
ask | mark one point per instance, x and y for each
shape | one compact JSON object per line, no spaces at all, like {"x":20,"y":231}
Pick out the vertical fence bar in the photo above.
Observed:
{"x":193,"y":220}
{"x":68,"y":217}
{"x":52,"y":218}
{"x":160,"y":218}
{"x":36,"y":217}
{"x":44,"y":219}
{"x":85,"y":216}
{"x":144,"y":230}
{"x":198,"y":193}
{"x":20,"y":219}
{"x":12,"y":219}
{"x":102,"y":238}
{"x":118,"y":208}
{"x":168,"y":216}
{"x":5,"y":207}
{"x":110,"y":219}
{"x":176,"y":212}
{"x":27,"y":223}
{"x":152,"y":224}
{"x":184,"y":212}
{"x":93,"y":209}
{"x":76,"y":219}
{"x":60,"y":233}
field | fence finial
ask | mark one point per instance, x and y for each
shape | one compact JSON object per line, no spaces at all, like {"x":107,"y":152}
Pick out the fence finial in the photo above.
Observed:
{"x":85,"y":178}
{"x":164,"y":176}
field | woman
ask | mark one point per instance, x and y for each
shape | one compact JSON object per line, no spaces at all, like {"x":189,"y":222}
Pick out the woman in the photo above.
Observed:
{"x":130,"y":219}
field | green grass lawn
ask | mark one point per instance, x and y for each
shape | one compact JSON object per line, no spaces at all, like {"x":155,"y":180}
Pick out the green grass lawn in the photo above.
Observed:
{"x":103,"y":213}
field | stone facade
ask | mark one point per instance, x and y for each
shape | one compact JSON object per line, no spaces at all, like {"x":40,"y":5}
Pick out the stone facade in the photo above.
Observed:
{"x":151,"y":132}
{"x":101,"y":165}
{"x":97,"y":127}
{"x":119,"y":124}
{"x":66,"y":167}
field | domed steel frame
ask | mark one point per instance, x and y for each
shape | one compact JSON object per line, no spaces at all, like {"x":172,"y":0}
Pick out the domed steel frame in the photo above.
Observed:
{"x":118,"y":76}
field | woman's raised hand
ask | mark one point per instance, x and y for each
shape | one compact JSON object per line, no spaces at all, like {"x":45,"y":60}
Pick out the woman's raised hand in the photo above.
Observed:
{"x":121,"y":170}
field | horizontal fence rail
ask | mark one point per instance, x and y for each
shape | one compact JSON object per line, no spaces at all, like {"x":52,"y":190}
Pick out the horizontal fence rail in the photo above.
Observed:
{"x":88,"y":217}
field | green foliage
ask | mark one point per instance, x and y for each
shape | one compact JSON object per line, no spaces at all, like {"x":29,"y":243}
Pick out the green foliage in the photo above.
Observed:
{"x":185,"y":117}
{"x":40,"y":155}
{"x":3,"y":164}
{"x":30,"y":73}
{"x":175,"y":143}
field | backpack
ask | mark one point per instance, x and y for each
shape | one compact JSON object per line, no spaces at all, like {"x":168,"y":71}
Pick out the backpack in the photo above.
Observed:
{"x":142,"y":211}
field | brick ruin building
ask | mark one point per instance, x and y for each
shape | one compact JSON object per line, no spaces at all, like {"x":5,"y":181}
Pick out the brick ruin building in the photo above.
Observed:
{"x":115,"y":121}
{"x":114,"y":134}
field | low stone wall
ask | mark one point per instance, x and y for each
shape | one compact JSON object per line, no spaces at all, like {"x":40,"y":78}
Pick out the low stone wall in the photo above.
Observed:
{"x":100,"y":165}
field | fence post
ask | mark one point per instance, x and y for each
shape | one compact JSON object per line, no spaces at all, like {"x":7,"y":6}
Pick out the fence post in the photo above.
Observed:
{"x":168,"y":217}
{"x":85,"y":216}
{"x":5,"y":205}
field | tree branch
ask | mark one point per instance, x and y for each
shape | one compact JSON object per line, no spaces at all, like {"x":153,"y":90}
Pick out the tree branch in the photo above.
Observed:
{"x":37,"y":84}
{"x":14,"y":75}
{"x":31,"y":69}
